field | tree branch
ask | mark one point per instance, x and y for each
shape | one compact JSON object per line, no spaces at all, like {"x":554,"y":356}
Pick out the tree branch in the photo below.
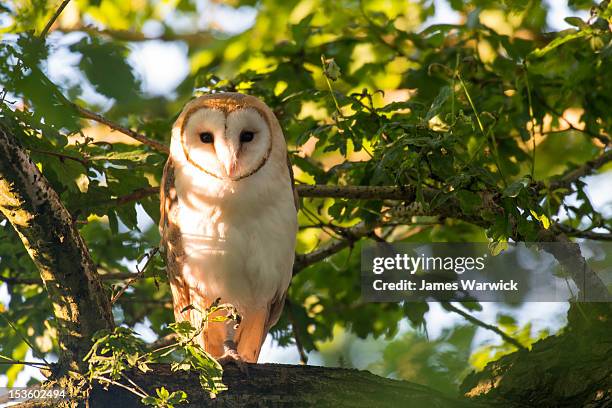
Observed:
{"x":199,"y":38}
{"x":87,"y":114}
{"x":45,"y":227}
{"x":137,"y":195}
{"x":139,"y":275}
{"x":53,"y":18}
{"x":359,"y":192}
{"x":480,"y":323}
{"x":586,"y":169}
{"x":351,"y":235}
{"x":117,"y":276}
{"x":596,"y":236}
{"x":280,"y":385}
{"x":584,"y":277}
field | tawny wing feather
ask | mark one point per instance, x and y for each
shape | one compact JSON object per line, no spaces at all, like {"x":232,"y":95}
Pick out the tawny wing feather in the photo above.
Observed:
{"x":182,"y":294}
{"x":171,"y":242}
{"x":278,"y":303}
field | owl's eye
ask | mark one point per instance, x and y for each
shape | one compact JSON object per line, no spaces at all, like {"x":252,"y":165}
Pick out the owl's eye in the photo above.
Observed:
{"x":246,"y":136}
{"x":206,"y":137}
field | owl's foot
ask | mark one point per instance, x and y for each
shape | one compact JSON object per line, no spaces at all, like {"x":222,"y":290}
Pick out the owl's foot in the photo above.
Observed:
{"x":231,"y":356}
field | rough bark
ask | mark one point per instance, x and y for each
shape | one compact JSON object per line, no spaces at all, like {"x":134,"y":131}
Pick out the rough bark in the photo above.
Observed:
{"x":277,"y":385}
{"x":48,"y":234}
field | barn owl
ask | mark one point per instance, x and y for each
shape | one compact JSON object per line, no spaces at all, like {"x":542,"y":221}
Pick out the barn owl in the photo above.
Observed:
{"x":229,"y":220}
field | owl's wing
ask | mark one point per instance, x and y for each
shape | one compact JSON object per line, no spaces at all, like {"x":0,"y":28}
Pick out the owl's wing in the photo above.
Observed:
{"x":171,"y":242}
{"x":168,"y":202}
{"x":276,"y":309}
{"x":296,"y":198}
{"x":278,"y":303}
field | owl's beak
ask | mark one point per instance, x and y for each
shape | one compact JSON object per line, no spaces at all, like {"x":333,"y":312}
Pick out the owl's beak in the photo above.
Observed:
{"x":227,"y":154}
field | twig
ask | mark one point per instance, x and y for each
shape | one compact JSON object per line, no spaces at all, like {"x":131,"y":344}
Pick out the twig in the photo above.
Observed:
{"x":23,"y":337}
{"x":602,"y":138}
{"x":407,"y":193}
{"x":137,"y":195}
{"x":351,"y":235}
{"x":53,"y":18}
{"x":198,"y":38}
{"x":485,"y":134}
{"x":36,"y":281}
{"x":62,"y":156}
{"x":598,"y":236}
{"x":478,"y":322}
{"x":138,"y":387}
{"x":119,"y":276}
{"x":87,"y":114}
{"x":139,"y":275}
{"x":586,"y":169}
{"x":118,"y":384}
{"x":35,"y":364}
{"x":403,"y":193}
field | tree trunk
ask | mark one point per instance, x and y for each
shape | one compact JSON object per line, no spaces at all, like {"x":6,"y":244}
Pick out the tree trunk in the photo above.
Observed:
{"x":46,"y":229}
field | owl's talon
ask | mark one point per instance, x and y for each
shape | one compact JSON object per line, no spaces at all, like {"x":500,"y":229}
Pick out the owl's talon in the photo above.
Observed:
{"x":231,"y":356}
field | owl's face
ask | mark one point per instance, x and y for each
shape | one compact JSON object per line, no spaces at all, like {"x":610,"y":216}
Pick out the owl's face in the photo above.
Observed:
{"x":225,"y":138}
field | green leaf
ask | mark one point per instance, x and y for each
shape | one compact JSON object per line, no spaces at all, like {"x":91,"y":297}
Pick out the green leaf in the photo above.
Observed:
{"x":468,"y":201}
{"x":576,"y":22}
{"x":331,"y":69}
{"x":162,"y":393}
{"x":516,"y":187}
{"x":105,"y":65}
{"x":302,"y":30}
{"x":149,"y":400}
{"x":557,"y":42}
{"x":436,"y":106}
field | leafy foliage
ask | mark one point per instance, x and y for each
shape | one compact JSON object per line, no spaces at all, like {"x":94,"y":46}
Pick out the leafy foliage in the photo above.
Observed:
{"x":114,"y":352}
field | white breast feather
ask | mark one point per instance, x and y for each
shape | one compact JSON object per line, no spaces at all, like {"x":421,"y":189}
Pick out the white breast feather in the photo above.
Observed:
{"x":239,"y":237}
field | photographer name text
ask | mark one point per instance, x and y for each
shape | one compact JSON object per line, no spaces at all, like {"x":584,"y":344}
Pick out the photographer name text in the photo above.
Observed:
{"x":467,"y":285}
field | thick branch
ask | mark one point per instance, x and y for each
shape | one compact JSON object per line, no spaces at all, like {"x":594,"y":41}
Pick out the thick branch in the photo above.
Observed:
{"x":277,"y":385}
{"x":45,"y":227}
{"x":406,"y":193}
{"x":584,"y":276}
